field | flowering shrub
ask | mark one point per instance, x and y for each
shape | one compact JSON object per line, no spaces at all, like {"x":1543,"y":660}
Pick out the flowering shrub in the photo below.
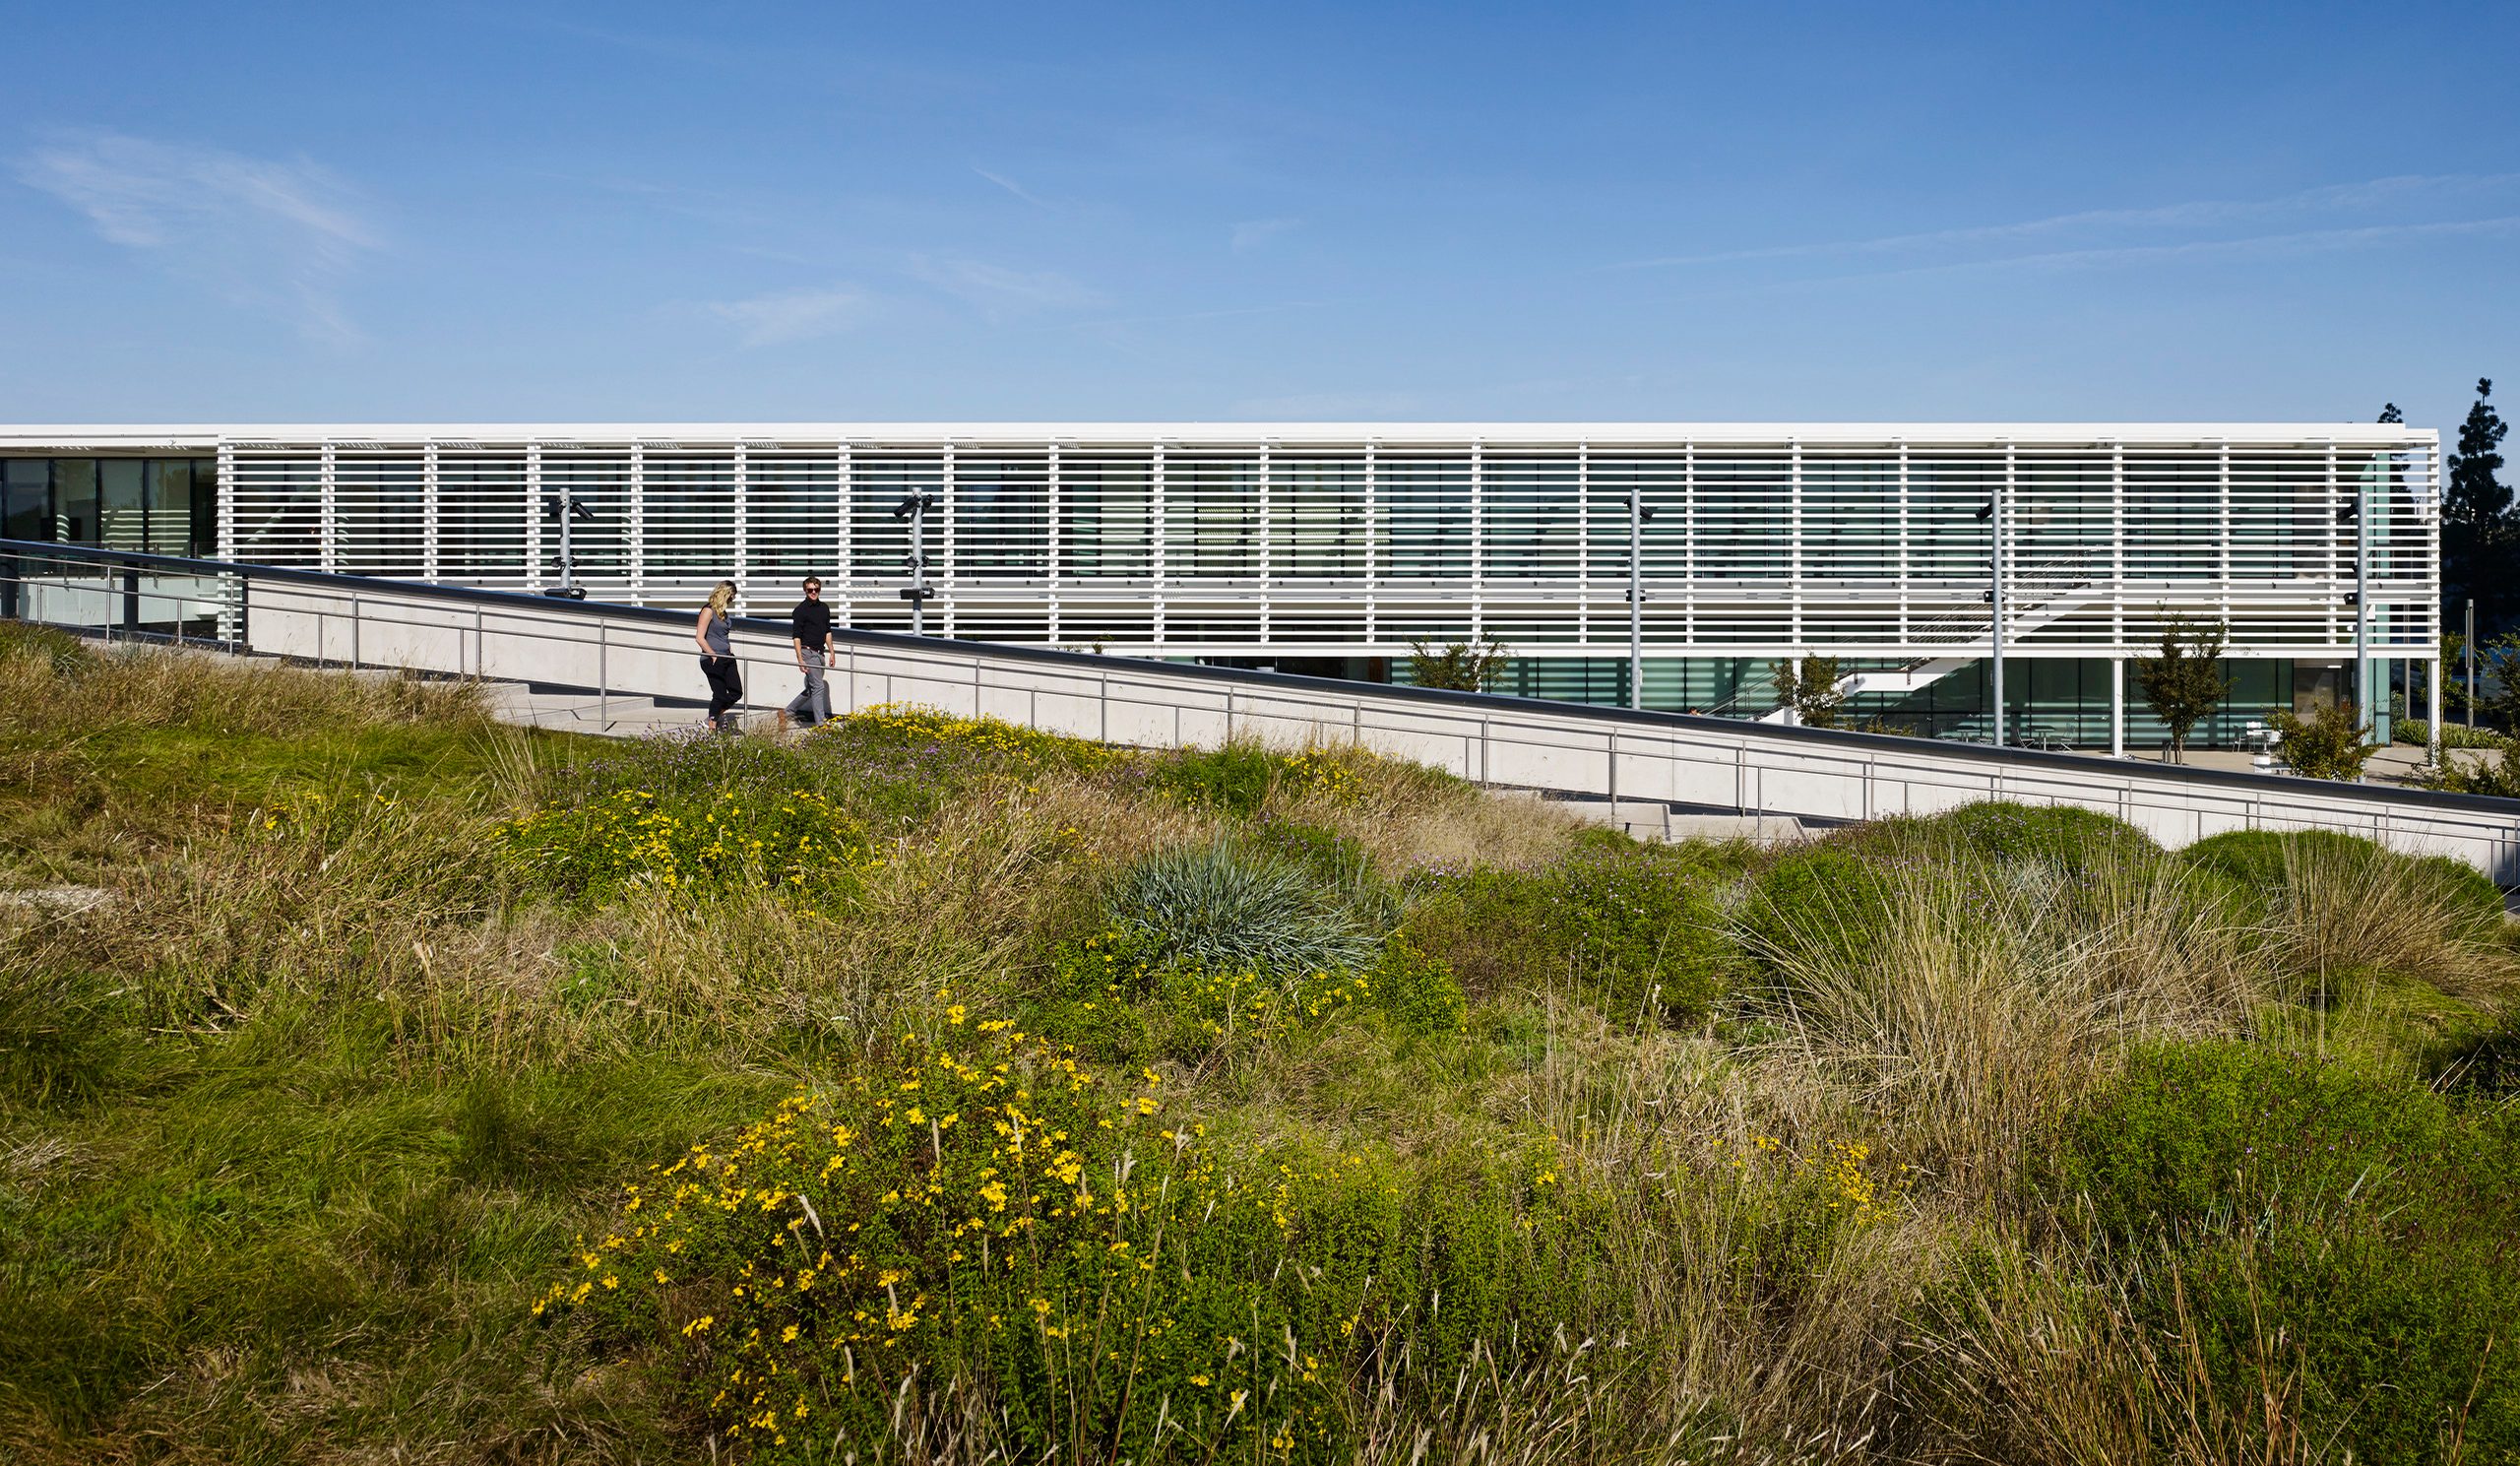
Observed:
{"x":632,"y":838}
{"x":1320,"y":775}
{"x":1236,"y":779}
{"x":1417,"y":988}
{"x":1116,"y":994}
{"x":988,"y":1213}
{"x":1797,"y":1204}
{"x":905,"y":722}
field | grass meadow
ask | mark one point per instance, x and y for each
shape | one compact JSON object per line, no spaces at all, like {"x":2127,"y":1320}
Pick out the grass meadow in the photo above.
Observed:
{"x":921,"y":1090}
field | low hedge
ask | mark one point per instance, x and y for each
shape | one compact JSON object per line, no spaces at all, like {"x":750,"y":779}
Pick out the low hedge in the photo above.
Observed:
{"x":2235,"y":1184}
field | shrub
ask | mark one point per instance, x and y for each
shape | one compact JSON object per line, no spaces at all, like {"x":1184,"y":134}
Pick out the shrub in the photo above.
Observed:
{"x":2419,"y":732}
{"x":2268,"y":862}
{"x":1224,"y":906}
{"x":2236,"y":1186}
{"x":989,"y":1217}
{"x":1115,"y":995}
{"x":1816,"y":905}
{"x":2067,"y":837}
{"x":793,"y":841}
{"x":1418,"y":988}
{"x":1632,"y":932}
{"x":909,"y":726}
{"x":1230,"y":780}
{"x":2327,"y":744}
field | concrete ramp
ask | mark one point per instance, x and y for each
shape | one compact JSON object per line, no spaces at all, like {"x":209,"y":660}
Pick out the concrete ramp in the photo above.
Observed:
{"x":580,"y":657}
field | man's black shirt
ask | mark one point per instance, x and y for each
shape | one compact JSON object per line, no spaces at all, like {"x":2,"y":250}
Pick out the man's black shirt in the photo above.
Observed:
{"x":810,"y":623}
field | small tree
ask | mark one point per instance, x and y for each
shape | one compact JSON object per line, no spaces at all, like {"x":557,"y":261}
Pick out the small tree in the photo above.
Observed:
{"x":1459,"y":667}
{"x":2185,"y":682}
{"x":1812,"y":690}
{"x":2327,"y":744}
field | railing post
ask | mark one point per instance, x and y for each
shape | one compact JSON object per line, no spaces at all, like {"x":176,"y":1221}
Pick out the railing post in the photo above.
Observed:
{"x":131,"y":602}
{"x":9,"y":590}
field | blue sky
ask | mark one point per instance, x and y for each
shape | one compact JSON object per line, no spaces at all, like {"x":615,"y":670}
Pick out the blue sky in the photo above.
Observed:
{"x":1705,"y":213}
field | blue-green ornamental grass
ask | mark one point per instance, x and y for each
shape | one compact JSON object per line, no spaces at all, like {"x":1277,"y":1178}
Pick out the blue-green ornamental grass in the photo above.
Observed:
{"x":1220,"y":906}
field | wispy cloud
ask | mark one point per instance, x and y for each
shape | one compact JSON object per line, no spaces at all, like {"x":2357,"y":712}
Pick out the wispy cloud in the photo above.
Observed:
{"x":2247,"y":247}
{"x":996,"y":291}
{"x":263,"y":233}
{"x":2126,"y":234}
{"x":792,"y":315}
{"x":1332,"y":407}
{"x":1251,"y":233}
{"x":1013,"y":187}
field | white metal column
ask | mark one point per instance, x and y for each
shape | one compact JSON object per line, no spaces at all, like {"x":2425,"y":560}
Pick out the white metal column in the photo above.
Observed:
{"x":1377,"y":550}
{"x":533,"y":518}
{"x":1907,"y":565}
{"x":743,"y":534}
{"x":946,"y":563}
{"x":328,"y":515}
{"x":429,"y":513}
{"x":226,"y":500}
{"x":2116,"y":707}
{"x":1050,"y":542}
{"x":844,"y":574}
{"x":1478,"y":542}
{"x":1794,"y":550}
{"x":638,"y":523}
{"x":1268,"y":530}
{"x":1155,"y":503}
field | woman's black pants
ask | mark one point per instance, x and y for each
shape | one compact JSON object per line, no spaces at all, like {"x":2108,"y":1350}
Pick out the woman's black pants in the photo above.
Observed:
{"x":725,"y":684}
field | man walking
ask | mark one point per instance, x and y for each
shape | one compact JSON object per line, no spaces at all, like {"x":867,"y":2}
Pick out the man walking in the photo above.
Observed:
{"x":809,"y":628}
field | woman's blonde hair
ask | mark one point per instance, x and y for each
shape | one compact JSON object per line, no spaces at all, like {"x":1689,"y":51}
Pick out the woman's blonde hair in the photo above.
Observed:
{"x":723,"y":596}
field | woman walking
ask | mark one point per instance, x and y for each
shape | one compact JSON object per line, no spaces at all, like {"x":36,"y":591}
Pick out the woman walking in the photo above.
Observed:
{"x":715,"y":635}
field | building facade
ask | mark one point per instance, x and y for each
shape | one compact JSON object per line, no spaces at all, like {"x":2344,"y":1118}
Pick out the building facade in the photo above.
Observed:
{"x":1667,"y":565}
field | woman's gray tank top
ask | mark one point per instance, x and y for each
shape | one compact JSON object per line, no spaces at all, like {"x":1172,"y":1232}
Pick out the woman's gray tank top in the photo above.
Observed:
{"x":721,"y":640}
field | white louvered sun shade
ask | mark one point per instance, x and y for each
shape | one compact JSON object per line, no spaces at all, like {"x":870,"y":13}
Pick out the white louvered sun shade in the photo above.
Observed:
{"x":1345,"y":541}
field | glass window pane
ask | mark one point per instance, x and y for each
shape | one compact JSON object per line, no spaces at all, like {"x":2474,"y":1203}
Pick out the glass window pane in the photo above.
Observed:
{"x":122,"y":504}
{"x":204,"y":532}
{"x":170,"y":515}
{"x":22,"y":505}
{"x":74,"y":502}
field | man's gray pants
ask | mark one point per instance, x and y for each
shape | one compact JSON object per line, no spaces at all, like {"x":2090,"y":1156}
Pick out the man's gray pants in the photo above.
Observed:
{"x":814,"y":703}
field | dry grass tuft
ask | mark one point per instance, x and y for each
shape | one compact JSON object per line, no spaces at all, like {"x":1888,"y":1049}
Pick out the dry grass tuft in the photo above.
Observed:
{"x":1995,"y":993}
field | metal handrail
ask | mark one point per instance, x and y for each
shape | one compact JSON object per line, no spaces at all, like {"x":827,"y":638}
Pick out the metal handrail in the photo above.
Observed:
{"x":1501,"y":721}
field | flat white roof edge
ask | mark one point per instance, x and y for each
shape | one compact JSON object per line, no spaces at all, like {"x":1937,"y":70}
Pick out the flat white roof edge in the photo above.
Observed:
{"x":730,"y":433}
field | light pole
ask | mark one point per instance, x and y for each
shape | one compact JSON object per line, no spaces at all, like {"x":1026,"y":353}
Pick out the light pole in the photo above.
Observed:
{"x":1639,"y":514}
{"x":567,"y":509}
{"x":914,"y":507}
{"x":1991,"y":514}
{"x":2472,"y":660}
{"x":2361,"y":600}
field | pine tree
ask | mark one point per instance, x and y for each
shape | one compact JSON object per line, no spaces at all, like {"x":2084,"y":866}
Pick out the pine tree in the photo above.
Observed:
{"x":2477,"y":533}
{"x":2389,"y":412}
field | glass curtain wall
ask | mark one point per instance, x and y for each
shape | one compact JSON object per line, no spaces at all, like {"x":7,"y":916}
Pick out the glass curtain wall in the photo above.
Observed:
{"x":166,"y":506}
